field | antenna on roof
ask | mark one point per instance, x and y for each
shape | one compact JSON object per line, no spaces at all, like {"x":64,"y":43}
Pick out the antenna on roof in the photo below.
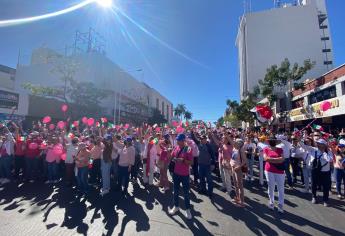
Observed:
{"x":247,"y":6}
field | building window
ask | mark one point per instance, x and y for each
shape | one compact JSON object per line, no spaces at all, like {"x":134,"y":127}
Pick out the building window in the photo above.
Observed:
{"x":157,"y":103}
{"x":326,"y":50}
{"x":325,"y":38}
{"x":328,"y":62}
{"x":323,"y":26}
{"x":322,"y":95}
{"x":298,"y":103}
{"x":162,"y":108}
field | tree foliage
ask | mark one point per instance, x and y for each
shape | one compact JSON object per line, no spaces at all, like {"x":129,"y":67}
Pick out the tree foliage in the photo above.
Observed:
{"x":282,"y":76}
{"x":156,"y":118}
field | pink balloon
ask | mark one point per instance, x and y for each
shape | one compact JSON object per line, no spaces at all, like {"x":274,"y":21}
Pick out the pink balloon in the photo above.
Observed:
{"x":47,"y":120}
{"x":76,"y":123}
{"x":175,"y":123}
{"x":158,"y":129}
{"x":33,"y":146}
{"x":61,"y":124}
{"x":84,"y":120}
{"x":179,"y":129}
{"x":51,"y":126}
{"x":126,"y":126}
{"x":64,"y":107}
{"x":325,"y":106}
{"x":63,"y":156}
{"x":90,"y":121}
{"x":58,"y":149}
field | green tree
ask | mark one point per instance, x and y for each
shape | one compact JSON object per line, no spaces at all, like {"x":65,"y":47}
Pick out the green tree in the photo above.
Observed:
{"x":156,"y":118}
{"x":188,"y":115}
{"x":282,"y":76}
{"x":180,"y":110}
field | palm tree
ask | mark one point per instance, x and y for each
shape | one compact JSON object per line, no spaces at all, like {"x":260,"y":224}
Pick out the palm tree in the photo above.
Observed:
{"x":232,"y":106}
{"x":188,"y":115}
{"x":180,"y":110}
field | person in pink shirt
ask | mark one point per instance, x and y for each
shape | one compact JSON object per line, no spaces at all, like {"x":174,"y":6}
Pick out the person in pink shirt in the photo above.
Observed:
{"x":54,"y":152}
{"x":126,"y":161}
{"x":32,"y":154}
{"x":183,"y":158}
{"x":96,"y":154}
{"x":274,"y":171}
{"x":225,"y":153}
{"x":164,"y":158}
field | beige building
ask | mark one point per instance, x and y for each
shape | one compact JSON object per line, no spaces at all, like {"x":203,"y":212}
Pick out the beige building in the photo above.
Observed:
{"x":131,"y":101}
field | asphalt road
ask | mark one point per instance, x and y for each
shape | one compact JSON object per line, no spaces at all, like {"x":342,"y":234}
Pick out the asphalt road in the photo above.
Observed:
{"x":39,"y":209}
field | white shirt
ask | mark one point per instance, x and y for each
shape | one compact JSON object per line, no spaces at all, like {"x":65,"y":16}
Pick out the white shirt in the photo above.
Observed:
{"x":286,"y":146}
{"x":71,"y":152}
{"x":325,"y":157}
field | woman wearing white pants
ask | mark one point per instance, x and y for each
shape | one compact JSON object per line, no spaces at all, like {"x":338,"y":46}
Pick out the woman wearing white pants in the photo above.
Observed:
{"x":225,"y":153}
{"x":274,"y":171}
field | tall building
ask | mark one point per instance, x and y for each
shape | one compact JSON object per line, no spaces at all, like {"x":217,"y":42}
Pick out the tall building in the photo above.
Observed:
{"x":297,"y":31}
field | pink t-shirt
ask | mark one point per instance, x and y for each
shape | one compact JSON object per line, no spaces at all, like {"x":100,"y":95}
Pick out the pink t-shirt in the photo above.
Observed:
{"x":164,"y":154}
{"x":272,"y":167}
{"x":180,"y":167}
{"x":225,"y":152}
{"x":51,"y":154}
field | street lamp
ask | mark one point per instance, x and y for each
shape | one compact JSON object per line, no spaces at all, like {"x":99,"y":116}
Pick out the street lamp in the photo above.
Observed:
{"x":117,"y":102}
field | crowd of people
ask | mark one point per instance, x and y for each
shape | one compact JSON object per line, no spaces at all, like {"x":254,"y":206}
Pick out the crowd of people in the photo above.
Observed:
{"x":82,"y":156}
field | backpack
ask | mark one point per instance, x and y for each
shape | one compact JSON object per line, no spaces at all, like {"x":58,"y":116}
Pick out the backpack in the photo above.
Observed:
{"x":316,"y":164}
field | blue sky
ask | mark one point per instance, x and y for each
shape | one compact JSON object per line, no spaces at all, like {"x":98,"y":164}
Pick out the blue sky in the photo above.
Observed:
{"x":203,"y":30}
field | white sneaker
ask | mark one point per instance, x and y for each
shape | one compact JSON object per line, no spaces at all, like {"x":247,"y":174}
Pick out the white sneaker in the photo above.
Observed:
{"x":5,"y":181}
{"x":280,"y":209}
{"x":188,"y":214}
{"x":104,"y":192}
{"x":174,"y":210}
{"x":271,"y":206}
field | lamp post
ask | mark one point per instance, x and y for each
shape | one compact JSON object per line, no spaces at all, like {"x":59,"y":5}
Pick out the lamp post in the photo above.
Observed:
{"x":117,"y":99}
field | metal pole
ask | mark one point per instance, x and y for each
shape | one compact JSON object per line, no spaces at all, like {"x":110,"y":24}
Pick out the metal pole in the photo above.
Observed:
{"x":114,"y":107}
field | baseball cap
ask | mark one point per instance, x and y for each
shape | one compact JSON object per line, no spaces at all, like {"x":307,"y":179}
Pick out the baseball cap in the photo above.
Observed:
{"x":341,"y":143}
{"x":181,"y":137}
{"x":321,"y":141}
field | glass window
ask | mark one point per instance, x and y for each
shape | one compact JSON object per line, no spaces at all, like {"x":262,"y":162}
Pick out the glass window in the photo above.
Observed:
{"x":323,"y":95}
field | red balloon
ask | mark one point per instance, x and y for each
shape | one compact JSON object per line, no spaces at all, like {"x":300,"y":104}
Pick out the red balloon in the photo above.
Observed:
{"x":61,"y":124}
{"x":76,"y":123}
{"x":51,"y":126}
{"x":90,"y":121}
{"x":47,"y":120}
{"x":64,"y":107}
{"x":84,"y":120}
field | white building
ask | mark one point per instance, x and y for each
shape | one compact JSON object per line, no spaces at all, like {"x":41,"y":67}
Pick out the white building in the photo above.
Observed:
{"x":132,"y":98}
{"x":9,"y":99}
{"x":297,"y":31}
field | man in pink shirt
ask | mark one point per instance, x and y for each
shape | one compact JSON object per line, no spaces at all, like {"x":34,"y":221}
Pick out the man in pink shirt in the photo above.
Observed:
{"x":183,"y":159}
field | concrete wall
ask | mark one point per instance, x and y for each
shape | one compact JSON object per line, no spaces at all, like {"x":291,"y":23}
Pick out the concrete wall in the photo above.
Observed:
{"x":267,"y":38}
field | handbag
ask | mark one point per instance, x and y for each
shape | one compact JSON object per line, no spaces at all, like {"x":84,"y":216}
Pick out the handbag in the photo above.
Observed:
{"x":172,"y":163}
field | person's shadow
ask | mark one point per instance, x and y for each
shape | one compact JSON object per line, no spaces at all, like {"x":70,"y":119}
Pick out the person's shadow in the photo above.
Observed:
{"x":133,"y":212}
